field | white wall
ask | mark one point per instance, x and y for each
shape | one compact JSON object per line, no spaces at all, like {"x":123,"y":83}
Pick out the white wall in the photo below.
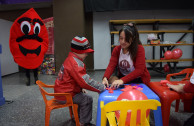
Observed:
{"x":8,"y":65}
{"x":102,"y":39}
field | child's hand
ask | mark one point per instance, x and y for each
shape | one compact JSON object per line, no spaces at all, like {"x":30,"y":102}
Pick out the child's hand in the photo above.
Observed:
{"x":177,"y":88}
{"x":105,"y":82}
{"x":84,"y":91}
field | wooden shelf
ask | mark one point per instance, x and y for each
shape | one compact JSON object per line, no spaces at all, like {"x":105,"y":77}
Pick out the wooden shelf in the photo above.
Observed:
{"x":159,"y":31}
{"x":173,"y":60}
{"x":181,"y":44}
{"x":148,"y":21}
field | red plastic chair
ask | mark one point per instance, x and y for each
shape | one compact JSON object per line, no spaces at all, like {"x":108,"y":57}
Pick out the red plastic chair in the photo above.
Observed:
{"x":53,"y":104}
{"x":167,"y":96}
{"x":186,"y":97}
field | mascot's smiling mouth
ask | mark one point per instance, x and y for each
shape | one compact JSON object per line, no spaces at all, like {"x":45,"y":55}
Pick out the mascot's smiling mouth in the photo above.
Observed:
{"x":26,"y":51}
{"x":34,"y":36}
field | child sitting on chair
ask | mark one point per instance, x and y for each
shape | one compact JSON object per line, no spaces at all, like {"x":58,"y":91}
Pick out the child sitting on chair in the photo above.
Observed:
{"x":187,"y":87}
{"x":72,"y":78}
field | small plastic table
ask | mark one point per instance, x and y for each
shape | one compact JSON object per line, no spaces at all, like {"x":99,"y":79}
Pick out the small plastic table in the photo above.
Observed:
{"x":109,"y":97}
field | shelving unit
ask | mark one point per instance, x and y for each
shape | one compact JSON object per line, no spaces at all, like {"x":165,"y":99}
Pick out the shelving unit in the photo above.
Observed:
{"x":156,"y":23}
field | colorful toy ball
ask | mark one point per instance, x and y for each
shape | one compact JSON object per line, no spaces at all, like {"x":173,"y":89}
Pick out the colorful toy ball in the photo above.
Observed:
{"x":28,"y":40}
{"x":177,"y":53}
{"x":168,"y":55}
{"x":132,"y":95}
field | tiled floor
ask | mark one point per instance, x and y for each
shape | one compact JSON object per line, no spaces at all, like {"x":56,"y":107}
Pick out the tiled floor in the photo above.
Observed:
{"x":25,"y":107}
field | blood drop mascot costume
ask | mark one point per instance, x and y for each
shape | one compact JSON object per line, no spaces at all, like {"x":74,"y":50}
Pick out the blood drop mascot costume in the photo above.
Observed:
{"x":28,"y":40}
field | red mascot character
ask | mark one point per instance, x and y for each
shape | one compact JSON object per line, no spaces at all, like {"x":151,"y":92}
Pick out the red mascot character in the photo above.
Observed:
{"x":29,"y":41}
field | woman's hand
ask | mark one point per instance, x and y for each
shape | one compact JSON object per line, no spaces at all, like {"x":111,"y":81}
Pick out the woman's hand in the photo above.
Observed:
{"x":117,"y":83}
{"x":105,"y":82}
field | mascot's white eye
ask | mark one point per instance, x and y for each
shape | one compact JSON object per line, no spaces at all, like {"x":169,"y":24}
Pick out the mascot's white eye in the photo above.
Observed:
{"x":37,"y":28}
{"x":25,"y":27}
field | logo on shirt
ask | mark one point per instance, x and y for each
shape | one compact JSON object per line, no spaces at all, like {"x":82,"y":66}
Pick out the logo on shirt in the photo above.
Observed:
{"x":124,"y":65}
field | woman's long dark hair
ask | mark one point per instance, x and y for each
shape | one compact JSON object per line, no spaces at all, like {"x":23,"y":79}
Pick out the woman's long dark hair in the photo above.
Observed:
{"x":131,"y":32}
